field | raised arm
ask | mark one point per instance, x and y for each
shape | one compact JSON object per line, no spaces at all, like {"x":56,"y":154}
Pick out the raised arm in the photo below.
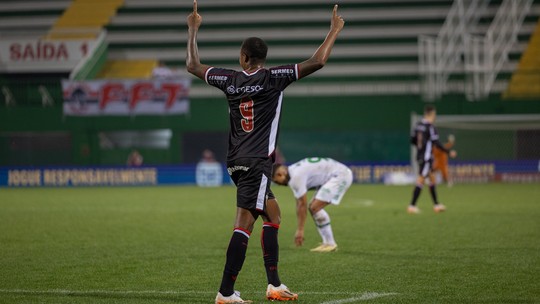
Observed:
{"x":193,"y":63}
{"x":319,"y":58}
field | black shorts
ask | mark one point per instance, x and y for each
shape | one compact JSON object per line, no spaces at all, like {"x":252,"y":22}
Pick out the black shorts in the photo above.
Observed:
{"x":252,"y":177}
{"x":425,"y":167}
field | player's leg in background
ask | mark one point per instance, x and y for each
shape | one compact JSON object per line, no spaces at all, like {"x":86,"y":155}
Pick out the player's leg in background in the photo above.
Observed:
{"x":269,"y":241}
{"x":423,"y":168}
{"x":446,"y":177}
{"x":433,"y":190}
{"x":331,"y":192}
{"x":322,"y":221}
{"x":236,"y":252}
{"x":420,"y":180}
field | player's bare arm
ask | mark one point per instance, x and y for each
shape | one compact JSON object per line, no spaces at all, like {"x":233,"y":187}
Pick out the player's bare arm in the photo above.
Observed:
{"x":319,"y":58}
{"x":193,"y":63}
{"x":419,"y":140}
{"x":301,"y":214}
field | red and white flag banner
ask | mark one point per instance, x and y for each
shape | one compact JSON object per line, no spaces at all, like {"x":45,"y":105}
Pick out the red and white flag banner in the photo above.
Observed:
{"x":126,"y":97}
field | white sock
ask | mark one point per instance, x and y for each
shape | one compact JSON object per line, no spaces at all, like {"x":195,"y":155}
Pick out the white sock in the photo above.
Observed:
{"x":322,"y":221}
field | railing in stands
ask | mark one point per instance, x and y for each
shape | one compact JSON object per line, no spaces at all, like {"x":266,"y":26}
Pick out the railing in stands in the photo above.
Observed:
{"x":485,"y":56}
{"x":438,"y":56}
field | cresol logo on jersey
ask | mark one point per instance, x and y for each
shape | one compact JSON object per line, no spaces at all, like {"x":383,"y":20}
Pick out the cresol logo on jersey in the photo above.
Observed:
{"x":247,"y":89}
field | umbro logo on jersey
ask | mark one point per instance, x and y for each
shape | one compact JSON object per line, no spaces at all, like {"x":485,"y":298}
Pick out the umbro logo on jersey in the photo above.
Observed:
{"x":231,"y":170}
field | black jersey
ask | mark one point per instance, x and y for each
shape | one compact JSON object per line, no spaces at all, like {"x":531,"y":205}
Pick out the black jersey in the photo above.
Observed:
{"x":424,"y":137}
{"x":254,"y":107}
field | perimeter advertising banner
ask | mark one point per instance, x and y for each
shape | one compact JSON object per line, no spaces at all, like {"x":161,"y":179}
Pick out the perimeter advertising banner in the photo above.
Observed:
{"x":126,"y":97}
{"x":477,"y":172}
{"x":111,"y":176}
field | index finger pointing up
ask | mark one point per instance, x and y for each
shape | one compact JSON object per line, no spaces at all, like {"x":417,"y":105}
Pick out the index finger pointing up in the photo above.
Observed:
{"x":335,"y":9}
{"x":195,"y":6}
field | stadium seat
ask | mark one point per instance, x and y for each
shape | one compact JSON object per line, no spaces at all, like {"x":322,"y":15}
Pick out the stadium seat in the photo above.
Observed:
{"x":84,"y":14}
{"x":27,"y":15}
{"x":132,"y":69}
{"x":525,"y":82}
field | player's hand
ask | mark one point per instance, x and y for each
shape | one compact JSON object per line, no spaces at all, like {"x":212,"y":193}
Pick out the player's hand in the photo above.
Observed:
{"x":299,"y":238}
{"x":337,"y":21}
{"x":194,"y":20}
{"x":453,"y":154}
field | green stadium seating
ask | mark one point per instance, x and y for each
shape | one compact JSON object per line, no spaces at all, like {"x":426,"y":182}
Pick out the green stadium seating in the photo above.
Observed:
{"x":32,"y":18}
{"x":375,"y":54}
{"x":525,"y":82}
{"x":30,"y":15}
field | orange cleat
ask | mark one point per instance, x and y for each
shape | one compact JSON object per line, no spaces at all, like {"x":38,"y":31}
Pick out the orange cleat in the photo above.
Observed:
{"x":413,"y":209}
{"x":439,"y":208}
{"x":281,"y":293}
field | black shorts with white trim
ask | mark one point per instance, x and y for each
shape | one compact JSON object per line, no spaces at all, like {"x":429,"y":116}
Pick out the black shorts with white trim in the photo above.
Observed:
{"x":252,"y":177}
{"x":425,"y":167}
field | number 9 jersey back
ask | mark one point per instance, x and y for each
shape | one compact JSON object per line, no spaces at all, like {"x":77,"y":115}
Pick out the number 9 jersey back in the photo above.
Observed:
{"x":255,"y":101}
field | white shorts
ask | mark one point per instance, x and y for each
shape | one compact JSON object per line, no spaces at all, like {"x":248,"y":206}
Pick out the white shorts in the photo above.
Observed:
{"x":334,"y":189}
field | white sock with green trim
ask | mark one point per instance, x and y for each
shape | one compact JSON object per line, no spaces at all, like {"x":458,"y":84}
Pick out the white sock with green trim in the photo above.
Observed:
{"x":322,"y":221}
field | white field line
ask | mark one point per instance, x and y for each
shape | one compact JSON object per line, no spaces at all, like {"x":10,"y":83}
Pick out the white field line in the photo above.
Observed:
{"x":63,"y":292}
{"x":364,"y":297}
{"x":101,"y":292}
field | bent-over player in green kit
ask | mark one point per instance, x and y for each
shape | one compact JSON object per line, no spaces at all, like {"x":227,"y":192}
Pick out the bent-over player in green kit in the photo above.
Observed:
{"x":331,"y":179}
{"x":255,"y":97}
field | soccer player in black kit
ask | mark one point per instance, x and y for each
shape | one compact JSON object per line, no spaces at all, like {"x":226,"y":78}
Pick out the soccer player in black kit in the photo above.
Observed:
{"x":424,"y":137}
{"x":255,"y":97}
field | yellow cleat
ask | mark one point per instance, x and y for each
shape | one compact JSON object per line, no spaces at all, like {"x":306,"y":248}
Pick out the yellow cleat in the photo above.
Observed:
{"x":325,"y":248}
{"x":280,"y":293}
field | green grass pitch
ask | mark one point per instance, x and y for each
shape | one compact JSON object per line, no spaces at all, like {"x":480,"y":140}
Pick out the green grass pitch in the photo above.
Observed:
{"x":167,"y":245}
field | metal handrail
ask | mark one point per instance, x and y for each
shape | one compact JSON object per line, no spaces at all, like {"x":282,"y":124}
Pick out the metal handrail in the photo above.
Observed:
{"x":438,"y":56}
{"x":486,"y":55}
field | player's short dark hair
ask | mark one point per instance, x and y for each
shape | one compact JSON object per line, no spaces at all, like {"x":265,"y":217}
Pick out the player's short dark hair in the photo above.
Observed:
{"x":255,"y":49}
{"x":428,"y":109}
{"x":274,"y":169}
